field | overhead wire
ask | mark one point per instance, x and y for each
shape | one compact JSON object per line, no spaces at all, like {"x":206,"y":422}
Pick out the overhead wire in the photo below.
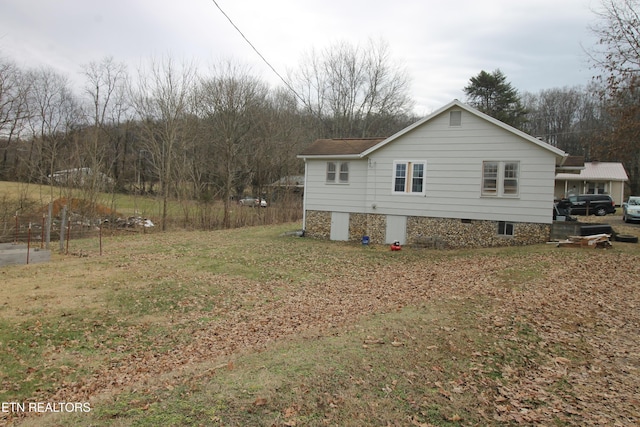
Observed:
{"x":297,"y":95}
{"x":258,"y":52}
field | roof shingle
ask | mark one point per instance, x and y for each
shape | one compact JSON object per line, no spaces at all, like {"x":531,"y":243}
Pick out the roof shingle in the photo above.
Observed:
{"x":340,"y":147}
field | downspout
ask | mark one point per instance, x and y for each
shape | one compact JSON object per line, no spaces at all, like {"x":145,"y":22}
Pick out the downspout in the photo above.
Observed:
{"x":304,"y":197}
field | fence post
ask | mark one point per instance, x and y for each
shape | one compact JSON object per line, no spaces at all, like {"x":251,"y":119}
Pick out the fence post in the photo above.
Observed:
{"x":49,"y":219}
{"x":68,"y":236}
{"x":63,"y":227}
{"x":28,"y":242}
{"x":42,"y":232}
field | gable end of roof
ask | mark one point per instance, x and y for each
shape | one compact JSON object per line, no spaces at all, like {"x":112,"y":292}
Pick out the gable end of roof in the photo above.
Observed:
{"x":455,"y":103}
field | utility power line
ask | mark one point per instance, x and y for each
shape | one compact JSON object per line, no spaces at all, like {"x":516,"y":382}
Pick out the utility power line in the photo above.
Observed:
{"x":258,"y":52}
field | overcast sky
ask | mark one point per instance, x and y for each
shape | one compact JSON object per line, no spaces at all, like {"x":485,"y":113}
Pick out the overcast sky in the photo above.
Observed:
{"x":538,"y":44}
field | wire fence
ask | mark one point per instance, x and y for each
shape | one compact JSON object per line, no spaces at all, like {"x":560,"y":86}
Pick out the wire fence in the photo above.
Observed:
{"x":46,"y":232}
{"x":63,"y":231}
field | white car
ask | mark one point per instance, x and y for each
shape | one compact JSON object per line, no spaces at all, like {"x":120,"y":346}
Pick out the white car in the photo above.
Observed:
{"x":253,"y":202}
{"x":631,"y":209}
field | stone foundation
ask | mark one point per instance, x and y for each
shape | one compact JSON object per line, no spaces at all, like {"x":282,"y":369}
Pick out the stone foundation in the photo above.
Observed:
{"x":318,"y":224}
{"x":374,"y":226}
{"x":443,"y":233}
{"x":438,"y":233}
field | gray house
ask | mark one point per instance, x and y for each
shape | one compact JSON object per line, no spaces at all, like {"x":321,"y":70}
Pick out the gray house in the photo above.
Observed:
{"x":457,"y":178}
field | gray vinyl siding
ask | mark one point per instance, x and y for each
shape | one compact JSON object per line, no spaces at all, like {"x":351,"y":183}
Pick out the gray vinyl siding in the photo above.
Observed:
{"x":323,"y":196}
{"x":454,"y":159}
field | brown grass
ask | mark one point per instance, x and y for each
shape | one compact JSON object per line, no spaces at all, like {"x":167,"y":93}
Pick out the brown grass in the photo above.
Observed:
{"x":248,"y":327}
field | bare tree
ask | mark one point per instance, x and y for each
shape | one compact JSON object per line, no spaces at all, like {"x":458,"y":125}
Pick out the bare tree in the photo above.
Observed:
{"x":284,"y":130}
{"x":229,"y":101}
{"x":353,"y":91}
{"x":53,"y":113}
{"x":618,"y":32}
{"x":107,"y":111}
{"x":162,"y":101}
{"x":559,"y":117}
{"x":14,"y":89}
{"x":618,"y":57}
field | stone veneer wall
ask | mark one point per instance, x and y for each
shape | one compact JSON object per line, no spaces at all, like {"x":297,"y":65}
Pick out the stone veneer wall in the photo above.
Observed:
{"x":318,"y":224}
{"x":453,"y":233}
{"x":374,"y":226}
{"x":440,"y":233}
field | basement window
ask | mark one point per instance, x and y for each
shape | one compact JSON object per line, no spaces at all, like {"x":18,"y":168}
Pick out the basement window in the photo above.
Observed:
{"x":505,"y":228}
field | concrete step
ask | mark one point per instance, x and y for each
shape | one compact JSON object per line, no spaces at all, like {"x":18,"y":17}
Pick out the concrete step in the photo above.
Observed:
{"x":11,"y":254}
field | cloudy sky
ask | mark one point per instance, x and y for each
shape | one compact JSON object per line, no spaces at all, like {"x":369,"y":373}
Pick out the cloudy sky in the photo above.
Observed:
{"x":538,"y":44}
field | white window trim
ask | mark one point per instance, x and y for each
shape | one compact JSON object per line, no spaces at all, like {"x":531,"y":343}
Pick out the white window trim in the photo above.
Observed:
{"x":409,"y":177}
{"x":500,"y":190}
{"x":507,"y":225}
{"x":337,"y":179}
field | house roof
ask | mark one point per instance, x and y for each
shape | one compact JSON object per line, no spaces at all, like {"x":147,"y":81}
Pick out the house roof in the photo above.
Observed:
{"x":289,"y":181}
{"x":360,"y":148}
{"x":571,"y":165}
{"x":602,"y":171}
{"x":339,"y":147}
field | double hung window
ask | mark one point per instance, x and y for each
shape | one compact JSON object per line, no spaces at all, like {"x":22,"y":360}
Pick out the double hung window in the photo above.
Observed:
{"x":409,"y":177}
{"x":337,"y":172}
{"x":500,"y":178}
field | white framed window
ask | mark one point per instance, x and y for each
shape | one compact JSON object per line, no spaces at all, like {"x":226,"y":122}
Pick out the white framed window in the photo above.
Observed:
{"x":501,"y":178}
{"x":409,"y":177}
{"x":505,"y":228}
{"x":344,"y":172}
{"x":337,"y":172}
{"x":596,"y":188}
{"x":331,"y":171}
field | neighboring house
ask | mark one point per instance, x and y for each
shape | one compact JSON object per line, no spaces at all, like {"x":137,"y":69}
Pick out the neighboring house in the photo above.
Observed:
{"x":79,"y":177}
{"x":290,"y":187}
{"x":596,"y":178}
{"x":289,"y":183}
{"x":457,"y":178}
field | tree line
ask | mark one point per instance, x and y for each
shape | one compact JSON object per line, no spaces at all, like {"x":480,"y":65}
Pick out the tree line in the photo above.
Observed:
{"x":182,"y":133}
{"x":178,"y":132}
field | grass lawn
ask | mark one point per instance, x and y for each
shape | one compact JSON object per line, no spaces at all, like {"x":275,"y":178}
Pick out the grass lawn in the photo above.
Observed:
{"x":253,"y":327}
{"x":126,"y":205}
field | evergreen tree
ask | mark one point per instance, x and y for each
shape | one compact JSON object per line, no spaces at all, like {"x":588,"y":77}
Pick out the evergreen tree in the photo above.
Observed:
{"x":493,"y":95}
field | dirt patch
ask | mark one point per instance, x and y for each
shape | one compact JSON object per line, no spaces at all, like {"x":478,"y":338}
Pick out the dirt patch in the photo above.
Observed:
{"x":80,"y":206}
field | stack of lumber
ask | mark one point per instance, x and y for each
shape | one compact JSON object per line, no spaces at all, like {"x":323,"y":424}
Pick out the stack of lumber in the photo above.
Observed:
{"x":593,"y":241}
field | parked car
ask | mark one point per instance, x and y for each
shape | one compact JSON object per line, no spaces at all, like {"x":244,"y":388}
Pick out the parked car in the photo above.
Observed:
{"x":592,"y":204}
{"x":253,"y":202}
{"x":631,"y":209}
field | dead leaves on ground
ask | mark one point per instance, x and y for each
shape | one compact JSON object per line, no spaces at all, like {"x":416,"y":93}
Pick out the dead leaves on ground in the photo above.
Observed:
{"x":576,"y":324}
